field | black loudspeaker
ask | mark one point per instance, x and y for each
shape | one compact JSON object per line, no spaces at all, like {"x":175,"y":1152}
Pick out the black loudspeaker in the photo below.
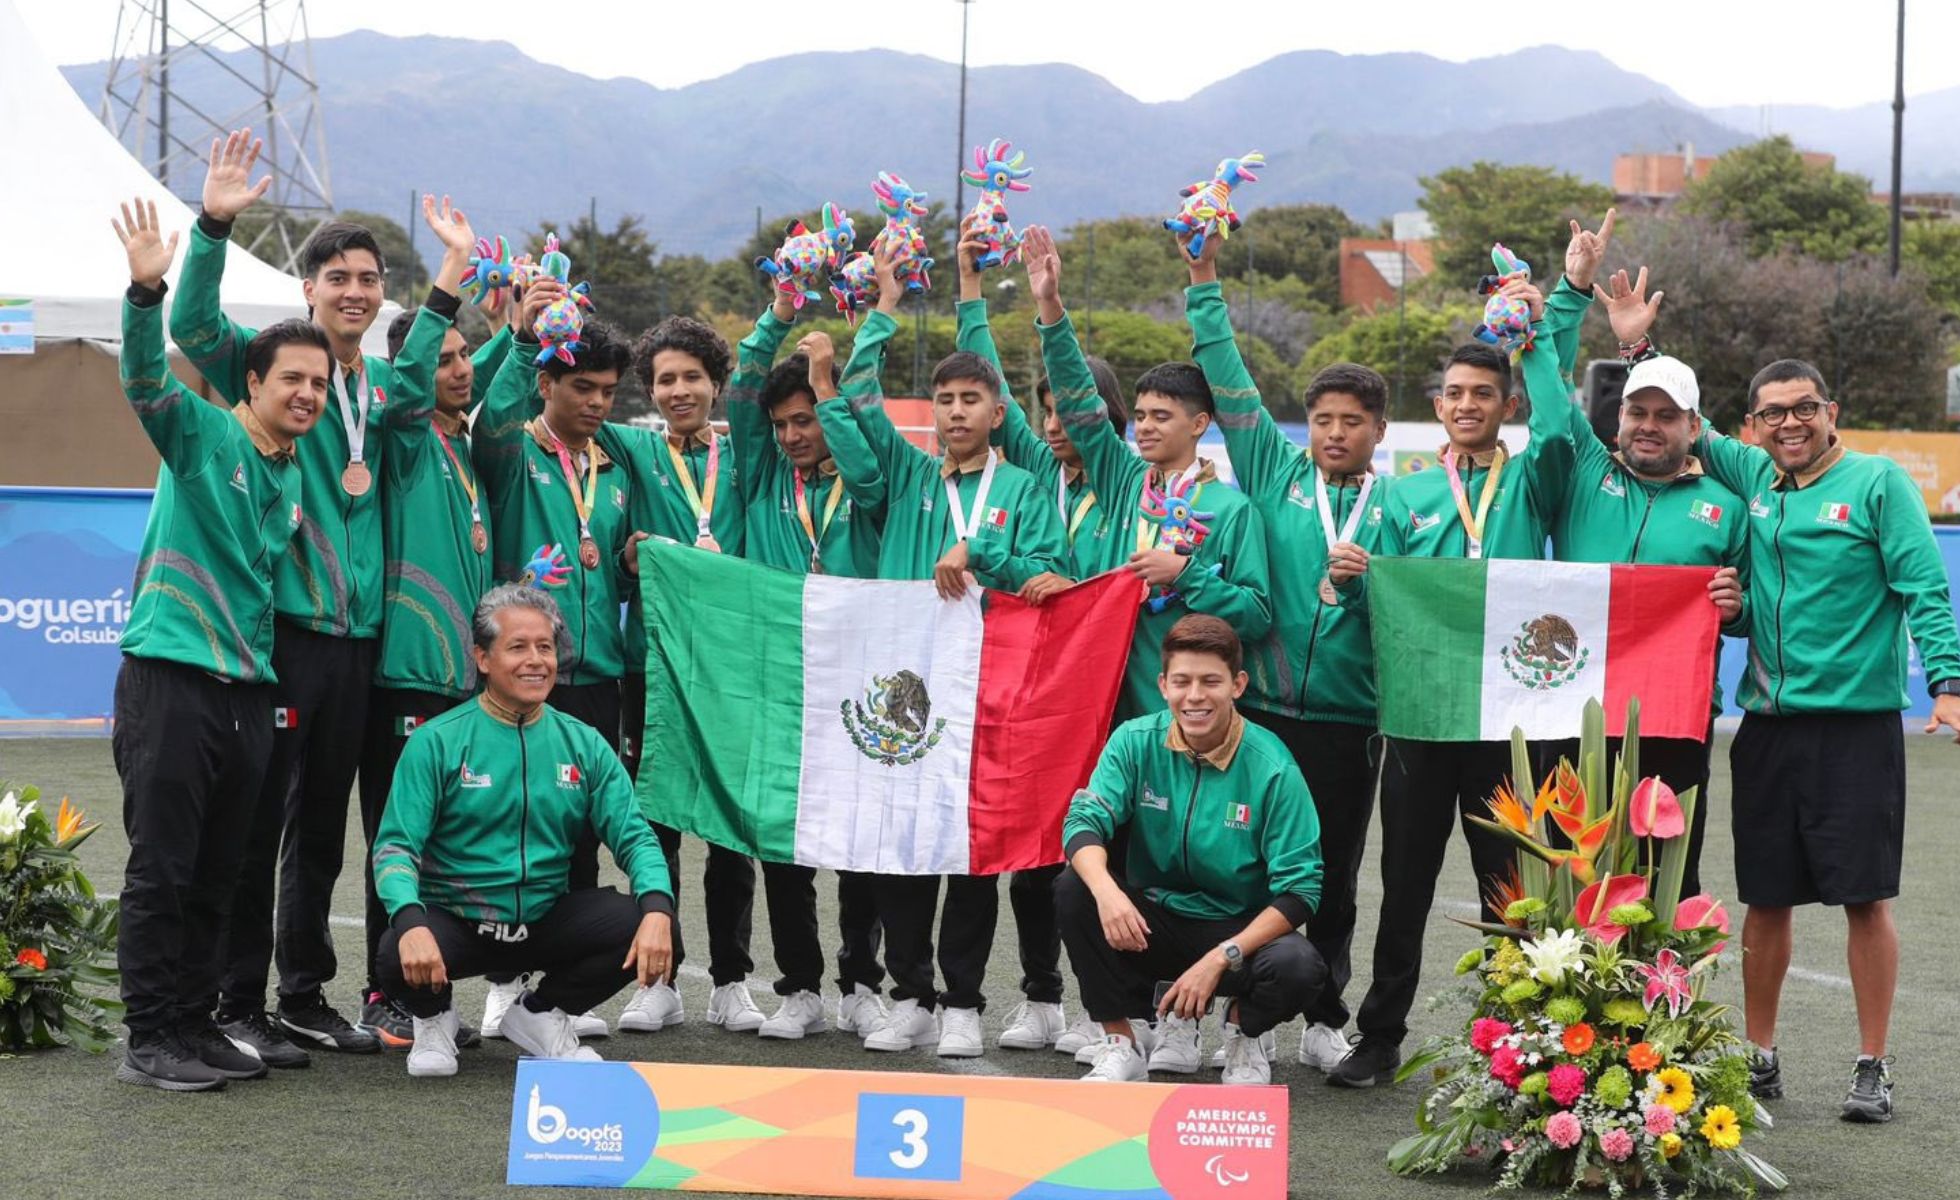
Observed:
{"x":1606,"y":379}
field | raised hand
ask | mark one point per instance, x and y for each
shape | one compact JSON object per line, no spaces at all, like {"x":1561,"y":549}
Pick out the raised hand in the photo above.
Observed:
{"x":1628,"y":307}
{"x":1587,"y":250}
{"x":1044,"y":266}
{"x":1523,"y":289}
{"x":228,"y":186}
{"x":451,"y":227}
{"x":537,"y":297}
{"x":1204,"y":267}
{"x":822,"y":353}
{"x":149,"y":255}
{"x":884,"y":268}
{"x":972,"y":245}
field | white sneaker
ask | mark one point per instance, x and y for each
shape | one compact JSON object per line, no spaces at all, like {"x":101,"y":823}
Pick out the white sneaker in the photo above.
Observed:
{"x":1117,"y":1061}
{"x":1079,"y":1036}
{"x":1177,"y":1046}
{"x":959,"y":1033}
{"x":1321,"y":1046}
{"x":1143,"y":1035}
{"x":591,"y":1024}
{"x":731,"y":1007}
{"x":546,"y":1034}
{"x":497,"y":1002}
{"x":652,"y":1009}
{"x":905,"y":1026}
{"x":1267,"y":1042}
{"x":862,"y":1012}
{"x":1034,"y":1026}
{"x":1245,"y":1059}
{"x":434,"y":1051}
{"x":800,"y":1013}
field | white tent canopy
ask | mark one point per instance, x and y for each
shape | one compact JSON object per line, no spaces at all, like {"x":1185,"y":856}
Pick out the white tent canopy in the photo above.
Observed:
{"x":65,"y":176}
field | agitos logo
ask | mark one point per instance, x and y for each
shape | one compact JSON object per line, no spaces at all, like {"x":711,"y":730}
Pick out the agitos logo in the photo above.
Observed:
{"x":1211,"y":1140}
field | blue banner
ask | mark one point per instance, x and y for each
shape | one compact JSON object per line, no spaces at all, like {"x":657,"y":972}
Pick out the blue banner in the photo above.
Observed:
{"x":67,"y":558}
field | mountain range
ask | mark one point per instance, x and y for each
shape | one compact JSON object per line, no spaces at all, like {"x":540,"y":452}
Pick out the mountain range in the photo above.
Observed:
{"x":523,"y":145}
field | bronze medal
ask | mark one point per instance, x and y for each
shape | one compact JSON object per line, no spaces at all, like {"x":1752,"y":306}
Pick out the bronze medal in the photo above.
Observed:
{"x":816,"y":564}
{"x":588,"y":553}
{"x":479,"y":538}
{"x":708,"y":543}
{"x":356,"y":479}
{"x":1327,"y":593}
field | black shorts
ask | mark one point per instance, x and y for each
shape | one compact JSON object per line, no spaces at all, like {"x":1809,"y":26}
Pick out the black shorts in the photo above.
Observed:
{"x":1820,"y":808}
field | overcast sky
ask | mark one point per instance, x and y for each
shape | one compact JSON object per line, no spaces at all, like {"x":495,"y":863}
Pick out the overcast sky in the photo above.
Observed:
{"x":1713,"y":52}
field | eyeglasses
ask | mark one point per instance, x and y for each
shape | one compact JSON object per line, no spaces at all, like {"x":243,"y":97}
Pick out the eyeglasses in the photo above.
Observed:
{"x":1803,"y":410}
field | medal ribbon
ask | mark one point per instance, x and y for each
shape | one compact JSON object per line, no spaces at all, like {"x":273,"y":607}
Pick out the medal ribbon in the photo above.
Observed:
{"x":701,"y":501}
{"x":1082,"y":506}
{"x":1474,"y":527}
{"x":356,"y":426}
{"x":810,"y":530}
{"x":582,"y":501}
{"x":1326,"y":509}
{"x":462,"y":477}
{"x":965,"y":525}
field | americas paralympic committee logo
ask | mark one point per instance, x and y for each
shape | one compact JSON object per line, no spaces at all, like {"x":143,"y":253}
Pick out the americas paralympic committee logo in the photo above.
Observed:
{"x":893,"y":724}
{"x":1546,"y":653}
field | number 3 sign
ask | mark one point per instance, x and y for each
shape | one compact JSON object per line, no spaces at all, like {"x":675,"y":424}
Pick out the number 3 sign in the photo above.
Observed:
{"x":909,"y":1137}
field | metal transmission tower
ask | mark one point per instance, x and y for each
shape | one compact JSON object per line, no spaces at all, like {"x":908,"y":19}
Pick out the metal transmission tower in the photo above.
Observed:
{"x":185,"y":71}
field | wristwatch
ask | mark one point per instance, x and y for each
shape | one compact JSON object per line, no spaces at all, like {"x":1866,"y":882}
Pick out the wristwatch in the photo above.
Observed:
{"x":1945,"y":687}
{"x":1234,"y":957}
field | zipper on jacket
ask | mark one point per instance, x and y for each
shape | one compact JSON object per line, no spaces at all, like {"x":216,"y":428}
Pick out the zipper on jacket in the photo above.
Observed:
{"x":523,"y":826}
{"x":1653,"y":494}
{"x":258,"y":563}
{"x":1190,"y":809}
{"x":1319,"y":610}
{"x":1782,"y":589}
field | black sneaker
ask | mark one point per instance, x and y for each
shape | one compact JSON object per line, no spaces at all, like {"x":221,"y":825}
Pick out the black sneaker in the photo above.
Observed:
{"x":220,"y":1053}
{"x":312,"y":1018}
{"x":1373,"y":1060}
{"x":161,"y":1060}
{"x":389,"y":1022}
{"x":256,"y":1033}
{"x":1765,"y":1074}
{"x":468,"y":1036}
{"x":1870,"y":1101}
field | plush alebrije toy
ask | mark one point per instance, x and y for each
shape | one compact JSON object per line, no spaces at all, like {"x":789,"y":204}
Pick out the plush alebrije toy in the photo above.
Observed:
{"x":490,"y":271}
{"x":995,"y":174}
{"x":855,"y":284}
{"x":1507,"y":319}
{"x":1208,"y":207}
{"x":904,"y":208}
{"x":1180,"y":526}
{"x":799,"y":265}
{"x":547,"y":568}
{"x":561,"y":322}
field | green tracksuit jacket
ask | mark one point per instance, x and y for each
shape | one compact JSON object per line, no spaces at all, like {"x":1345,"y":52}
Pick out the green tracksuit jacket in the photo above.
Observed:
{"x":531,"y":505}
{"x":1204,"y":842}
{"x":1842,"y":566}
{"x":330,"y":580}
{"x":846,"y":513}
{"x":1316,"y":662}
{"x":227,"y":504}
{"x":484,"y":814}
{"x":1093,"y":542}
{"x":1226,"y":575}
{"x":1018,"y":536}
{"x":434,"y":573}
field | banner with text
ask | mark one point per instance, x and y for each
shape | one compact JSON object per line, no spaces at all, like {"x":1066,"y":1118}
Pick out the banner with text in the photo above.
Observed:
{"x":788,"y":1131}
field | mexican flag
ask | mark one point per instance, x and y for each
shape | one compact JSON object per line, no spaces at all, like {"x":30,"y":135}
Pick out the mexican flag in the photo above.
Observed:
{"x":1466,"y":650}
{"x":869,"y":725}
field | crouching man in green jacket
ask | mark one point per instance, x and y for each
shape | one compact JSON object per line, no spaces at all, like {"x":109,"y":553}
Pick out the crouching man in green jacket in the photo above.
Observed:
{"x":1223,"y":867}
{"x":474,"y":853}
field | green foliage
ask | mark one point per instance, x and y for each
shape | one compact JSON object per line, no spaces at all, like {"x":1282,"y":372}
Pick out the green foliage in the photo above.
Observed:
{"x":1932,"y":248}
{"x":1298,"y":243}
{"x":1407,"y":347}
{"x":1526,"y":208}
{"x":1783,"y":203}
{"x":57,"y":939}
{"x":1129,"y":262}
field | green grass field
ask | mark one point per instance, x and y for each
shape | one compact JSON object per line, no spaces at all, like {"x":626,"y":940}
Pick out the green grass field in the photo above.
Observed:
{"x":360,"y":1127}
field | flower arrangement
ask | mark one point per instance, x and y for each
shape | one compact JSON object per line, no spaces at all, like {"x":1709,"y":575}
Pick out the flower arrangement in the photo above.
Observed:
{"x":1592,"y":1058}
{"x":57,"y":938}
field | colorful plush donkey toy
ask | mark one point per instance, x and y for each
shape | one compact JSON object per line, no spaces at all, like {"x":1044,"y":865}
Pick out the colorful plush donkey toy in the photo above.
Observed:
{"x":1507,"y":319}
{"x":1208,"y":203}
{"x":995,"y":174}
{"x":490,"y":271}
{"x":799,"y":265}
{"x":558,"y":327}
{"x":855,"y":284}
{"x":904,"y":208}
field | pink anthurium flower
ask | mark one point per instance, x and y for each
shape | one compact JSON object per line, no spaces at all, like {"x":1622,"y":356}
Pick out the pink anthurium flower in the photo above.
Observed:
{"x":1702,"y":912}
{"x":1656,"y":811}
{"x":1596,"y":904}
{"x":1667,"y":980}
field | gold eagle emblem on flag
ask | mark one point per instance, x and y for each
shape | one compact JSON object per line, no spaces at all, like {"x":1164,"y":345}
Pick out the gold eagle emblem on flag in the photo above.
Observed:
{"x":893,"y":724}
{"x":1547,"y":653}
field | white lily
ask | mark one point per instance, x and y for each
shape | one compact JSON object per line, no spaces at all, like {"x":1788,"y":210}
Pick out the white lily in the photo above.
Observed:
{"x":13,"y":816}
{"x":1554,"y":955}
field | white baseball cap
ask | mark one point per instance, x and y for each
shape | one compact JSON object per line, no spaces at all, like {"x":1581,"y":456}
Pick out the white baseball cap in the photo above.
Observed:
{"x":1671,"y":376}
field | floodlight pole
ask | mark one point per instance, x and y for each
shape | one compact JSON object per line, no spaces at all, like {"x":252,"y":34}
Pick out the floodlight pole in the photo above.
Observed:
{"x":959,"y":151}
{"x":1898,"y":132}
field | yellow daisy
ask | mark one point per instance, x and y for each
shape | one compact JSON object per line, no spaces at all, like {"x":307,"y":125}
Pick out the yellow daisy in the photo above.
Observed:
{"x":1675,"y":1089}
{"x":1721,"y":1128}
